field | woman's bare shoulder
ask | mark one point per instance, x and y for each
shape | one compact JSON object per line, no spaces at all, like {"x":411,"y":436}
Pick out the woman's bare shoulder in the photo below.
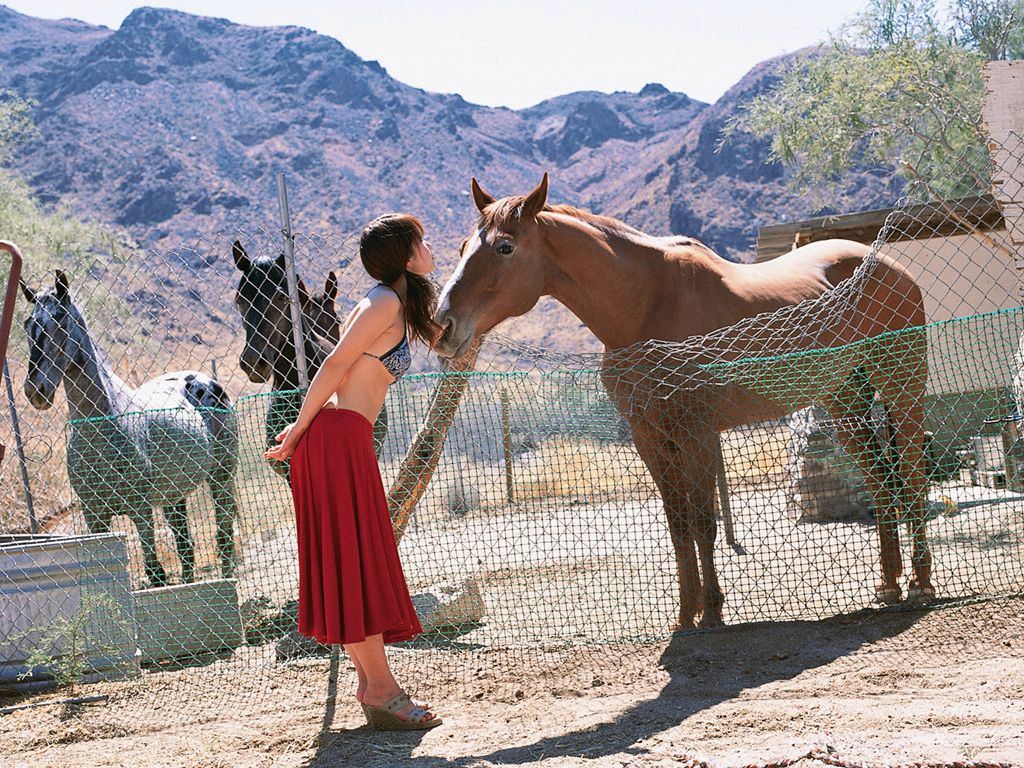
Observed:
{"x":376,"y":308}
{"x":384,"y":303}
{"x":383,"y":296}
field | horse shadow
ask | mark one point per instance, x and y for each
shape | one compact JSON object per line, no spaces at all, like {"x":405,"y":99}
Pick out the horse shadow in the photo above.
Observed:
{"x":705,"y":668}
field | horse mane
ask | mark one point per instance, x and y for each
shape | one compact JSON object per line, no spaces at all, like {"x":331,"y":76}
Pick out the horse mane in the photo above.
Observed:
{"x":81,"y":326}
{"x":509,"y":210}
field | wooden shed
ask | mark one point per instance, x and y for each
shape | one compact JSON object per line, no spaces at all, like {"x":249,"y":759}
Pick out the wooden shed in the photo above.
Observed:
{"x":959,"y":252}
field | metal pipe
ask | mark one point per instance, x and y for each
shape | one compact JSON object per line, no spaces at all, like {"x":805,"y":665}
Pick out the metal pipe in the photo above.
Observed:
{"x":11,"y":296}
{"x":6,"y":318}
{"x":293,"y":284}
{"x":19,"y":446}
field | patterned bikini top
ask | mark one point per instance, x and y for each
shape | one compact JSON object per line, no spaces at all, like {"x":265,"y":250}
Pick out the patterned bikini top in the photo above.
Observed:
{"x":397,"y":359}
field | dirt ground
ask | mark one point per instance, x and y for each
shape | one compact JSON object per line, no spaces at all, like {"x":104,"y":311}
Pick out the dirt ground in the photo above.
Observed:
{"x":879,"y":688}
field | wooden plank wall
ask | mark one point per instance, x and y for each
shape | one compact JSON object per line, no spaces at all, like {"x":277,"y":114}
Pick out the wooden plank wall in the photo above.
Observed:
{"x":917,"y":222}
{"x":1004,"y":121}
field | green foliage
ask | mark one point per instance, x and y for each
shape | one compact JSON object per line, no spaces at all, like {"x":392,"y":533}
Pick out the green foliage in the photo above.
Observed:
{"x":51,"y":238}
{"x":65,"y":646}
{"x":15,"y":122}
{"x":892,"y":86}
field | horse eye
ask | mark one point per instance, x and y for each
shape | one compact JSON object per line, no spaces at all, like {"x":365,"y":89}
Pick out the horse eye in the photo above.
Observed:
{"x":504,"y":249}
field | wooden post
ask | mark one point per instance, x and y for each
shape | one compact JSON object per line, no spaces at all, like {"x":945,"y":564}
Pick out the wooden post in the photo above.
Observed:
{"x":1003,"y":114}
{"x":506,"y":442}
{"x":425,"y":452}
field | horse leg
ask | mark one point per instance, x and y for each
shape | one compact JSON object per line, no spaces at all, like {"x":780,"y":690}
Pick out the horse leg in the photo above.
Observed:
{"x":902,"y":390}
{"x":850,"y":408}
{"x":702,"y":471}
{"x":154,"y":570}
{"x":908,"y":437}
{"x":225,"y":511}
{"x":177,"y":519}
{"x":671,"y":483}
{"x":96,"y":522}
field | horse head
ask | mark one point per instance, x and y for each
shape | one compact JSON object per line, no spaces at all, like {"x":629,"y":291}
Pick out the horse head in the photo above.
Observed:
{"x":53,"y":344}
{"x":500,"y":273}
{"x":262,"y":301}
{"x":318,"y":312}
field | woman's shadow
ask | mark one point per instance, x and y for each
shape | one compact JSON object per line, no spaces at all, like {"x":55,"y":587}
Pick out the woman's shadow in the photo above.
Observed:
{"x":704,"y":668}
{"x":350,"y":746}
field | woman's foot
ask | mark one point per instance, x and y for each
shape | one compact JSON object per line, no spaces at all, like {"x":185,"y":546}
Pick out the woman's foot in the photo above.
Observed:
{"x":398,"y":713}
{"x":361,"y":698}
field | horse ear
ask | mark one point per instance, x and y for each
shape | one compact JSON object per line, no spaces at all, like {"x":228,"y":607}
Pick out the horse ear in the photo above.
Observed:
{"x":30,"y":295}
{"x":536,"y":200}
{"x":303,"y":293}
{"x":481,"y":198}
{"x":331,"y":286}
{"x":240,"y":256}
{"x":61,"y":283}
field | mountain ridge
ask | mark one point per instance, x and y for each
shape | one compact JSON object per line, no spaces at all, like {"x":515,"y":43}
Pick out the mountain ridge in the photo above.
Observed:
{"x":174,"y":126}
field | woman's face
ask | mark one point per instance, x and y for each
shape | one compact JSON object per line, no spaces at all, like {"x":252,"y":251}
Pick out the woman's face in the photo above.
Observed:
{"x":421,"y":262}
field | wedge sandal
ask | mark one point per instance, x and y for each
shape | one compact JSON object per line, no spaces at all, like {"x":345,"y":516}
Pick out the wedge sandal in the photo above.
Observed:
{"x":416,"y":702}
{"x":383,"y":718}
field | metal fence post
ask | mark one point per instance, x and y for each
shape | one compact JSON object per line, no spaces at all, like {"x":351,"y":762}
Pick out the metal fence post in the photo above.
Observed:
{"x":19,"y":446}
{"x":5,"y":331}
{"x":293,"y":283}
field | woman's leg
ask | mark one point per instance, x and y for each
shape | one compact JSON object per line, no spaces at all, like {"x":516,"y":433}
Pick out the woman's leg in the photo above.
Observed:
{"x":361,"y":686}
{"x":360,"y":673}
{"x":381,"y":686}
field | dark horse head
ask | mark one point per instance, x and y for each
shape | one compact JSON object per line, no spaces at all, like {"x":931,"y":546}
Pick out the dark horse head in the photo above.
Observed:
{"x":262,"y":301}
{"x":54,"y":337}
{"x":500,"y":272}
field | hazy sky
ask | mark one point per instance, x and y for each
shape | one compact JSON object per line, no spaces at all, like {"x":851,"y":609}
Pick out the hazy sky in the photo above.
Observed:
{"x":518,"y":52}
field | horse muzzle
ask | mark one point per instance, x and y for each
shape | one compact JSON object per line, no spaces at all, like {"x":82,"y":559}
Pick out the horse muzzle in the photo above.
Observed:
{"x":39,"y":395}
{"x":455,"y":339}
{"x":256,"y":368}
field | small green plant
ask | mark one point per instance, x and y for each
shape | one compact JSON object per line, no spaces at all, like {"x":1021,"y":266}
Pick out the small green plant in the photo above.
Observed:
{"x":65,"y":645}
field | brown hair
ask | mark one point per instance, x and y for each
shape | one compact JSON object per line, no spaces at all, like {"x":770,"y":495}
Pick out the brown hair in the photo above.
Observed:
{"x":385,"y":247}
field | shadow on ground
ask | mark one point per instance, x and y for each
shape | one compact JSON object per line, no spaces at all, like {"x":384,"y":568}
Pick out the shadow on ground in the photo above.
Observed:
{"x":704,"y":668}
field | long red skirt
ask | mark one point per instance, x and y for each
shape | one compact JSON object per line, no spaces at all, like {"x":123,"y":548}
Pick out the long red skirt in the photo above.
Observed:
{"x":351,"y":584}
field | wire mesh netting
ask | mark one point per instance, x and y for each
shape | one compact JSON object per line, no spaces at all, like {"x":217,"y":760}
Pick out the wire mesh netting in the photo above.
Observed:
{"x":148,"y":534}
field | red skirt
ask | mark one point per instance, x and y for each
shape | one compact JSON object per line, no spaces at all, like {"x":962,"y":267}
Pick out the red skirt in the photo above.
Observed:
{"x":351,"y":584}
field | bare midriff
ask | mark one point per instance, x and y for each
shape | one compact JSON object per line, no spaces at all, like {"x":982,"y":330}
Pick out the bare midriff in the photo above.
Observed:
{"x":363,"y":389}
{"x":366,"y":383}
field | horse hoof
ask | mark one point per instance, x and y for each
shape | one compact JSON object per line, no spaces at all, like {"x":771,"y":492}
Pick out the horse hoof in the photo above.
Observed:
{"x":887,"y":595}
{"x":921,"y":595}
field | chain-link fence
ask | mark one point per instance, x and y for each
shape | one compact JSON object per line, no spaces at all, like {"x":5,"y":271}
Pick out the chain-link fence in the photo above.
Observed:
{"x":529,"y":494}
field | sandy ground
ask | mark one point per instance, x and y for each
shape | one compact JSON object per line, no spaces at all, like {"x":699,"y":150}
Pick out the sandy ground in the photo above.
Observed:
{"x":881,"y":688}
{"x":534,"y":685}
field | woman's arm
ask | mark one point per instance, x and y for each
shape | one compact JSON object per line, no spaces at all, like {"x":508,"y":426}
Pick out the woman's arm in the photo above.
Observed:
{"x":369,"y":320}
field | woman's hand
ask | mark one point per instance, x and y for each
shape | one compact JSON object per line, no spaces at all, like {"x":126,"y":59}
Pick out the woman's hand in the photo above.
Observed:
{"x":288,"y":439}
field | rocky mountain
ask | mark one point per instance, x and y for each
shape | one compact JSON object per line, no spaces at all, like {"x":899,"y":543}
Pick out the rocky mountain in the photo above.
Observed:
{"x":174,"y":127}
{"x":175,"y":124}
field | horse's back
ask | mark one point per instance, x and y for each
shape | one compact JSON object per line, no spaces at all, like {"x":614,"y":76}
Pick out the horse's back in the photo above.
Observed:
{"x":889,"y":294}
{"x":175,"y":441}
{"x":779,"y":310}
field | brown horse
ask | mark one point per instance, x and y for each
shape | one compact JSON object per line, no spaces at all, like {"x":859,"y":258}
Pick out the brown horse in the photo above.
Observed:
{"x":733,"y":343}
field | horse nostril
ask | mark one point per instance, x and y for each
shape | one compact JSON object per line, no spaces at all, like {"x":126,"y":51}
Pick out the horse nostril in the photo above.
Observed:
{"x":449,"y":328}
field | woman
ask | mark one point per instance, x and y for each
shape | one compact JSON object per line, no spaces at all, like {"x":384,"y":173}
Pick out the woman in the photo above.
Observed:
{"x":351,"y":587}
